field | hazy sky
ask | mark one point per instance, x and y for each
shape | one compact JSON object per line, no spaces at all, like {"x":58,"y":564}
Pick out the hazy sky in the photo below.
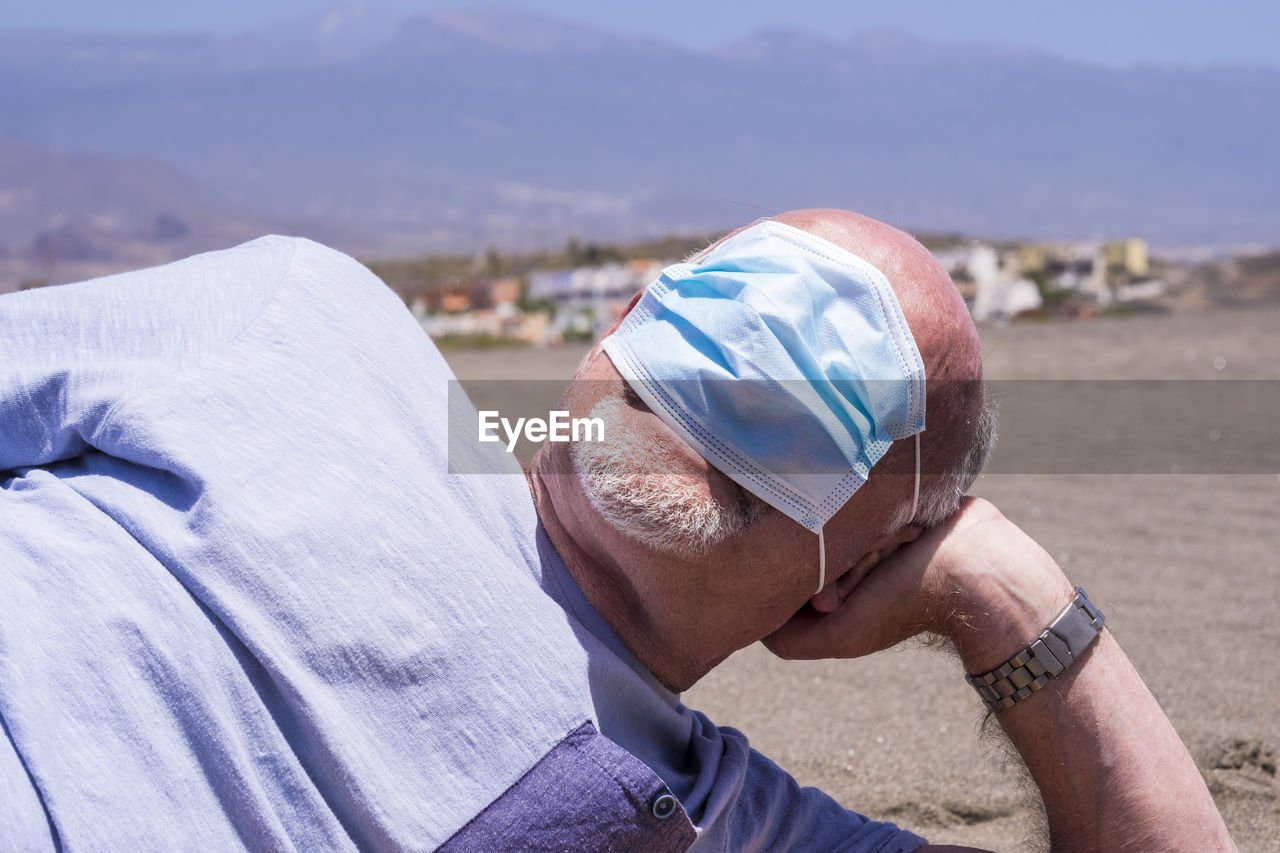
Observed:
{"x":1111,"y":31}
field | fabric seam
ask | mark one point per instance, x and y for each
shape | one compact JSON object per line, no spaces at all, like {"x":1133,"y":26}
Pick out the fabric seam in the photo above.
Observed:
{"x":182,"y":373}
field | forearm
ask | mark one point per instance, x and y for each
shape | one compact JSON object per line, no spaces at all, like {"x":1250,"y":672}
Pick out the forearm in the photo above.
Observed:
{"x":1113,"y":773}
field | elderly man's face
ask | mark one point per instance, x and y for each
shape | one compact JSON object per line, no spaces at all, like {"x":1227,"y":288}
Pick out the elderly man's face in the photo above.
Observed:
{"x":649,"y":491}
{"x":682,"y":563}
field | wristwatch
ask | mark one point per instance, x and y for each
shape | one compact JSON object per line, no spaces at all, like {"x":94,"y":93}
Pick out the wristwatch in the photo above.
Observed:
{"x":1046,"y":658}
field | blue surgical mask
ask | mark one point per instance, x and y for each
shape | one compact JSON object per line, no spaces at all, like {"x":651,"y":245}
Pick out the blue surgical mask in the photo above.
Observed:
{"x":784,"y":360}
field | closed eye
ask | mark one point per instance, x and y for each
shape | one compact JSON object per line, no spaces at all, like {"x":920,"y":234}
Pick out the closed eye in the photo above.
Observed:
{"x":632,"y":399}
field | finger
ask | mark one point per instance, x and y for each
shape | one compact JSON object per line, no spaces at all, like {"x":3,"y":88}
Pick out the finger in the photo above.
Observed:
{"x":883,"y":608}
{"x":833,"y":594}
{"x":859,"y":571}
{"x":899,"y":597}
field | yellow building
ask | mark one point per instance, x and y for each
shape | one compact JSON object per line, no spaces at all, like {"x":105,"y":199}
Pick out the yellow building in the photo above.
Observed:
{"x":1032,"y":258}
{"x":1128,"y":255}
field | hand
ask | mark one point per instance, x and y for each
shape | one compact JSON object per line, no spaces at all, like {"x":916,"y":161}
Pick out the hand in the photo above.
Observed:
{"x":1111,"y":770}
{"x":976,"y":579}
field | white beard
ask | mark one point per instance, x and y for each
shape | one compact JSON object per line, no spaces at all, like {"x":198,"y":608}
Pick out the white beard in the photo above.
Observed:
{"x":649,"y":494}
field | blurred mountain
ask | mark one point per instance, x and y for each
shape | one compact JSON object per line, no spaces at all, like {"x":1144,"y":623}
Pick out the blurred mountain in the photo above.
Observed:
{"x":458,"y":129}
{"x":91,"y":213}
{"x":38,"y":187}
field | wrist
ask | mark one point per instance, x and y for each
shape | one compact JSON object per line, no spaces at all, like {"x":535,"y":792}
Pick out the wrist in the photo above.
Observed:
{"x":990,"y":630}
{"x":1049,"y":656}
{"x":1002,"y":592}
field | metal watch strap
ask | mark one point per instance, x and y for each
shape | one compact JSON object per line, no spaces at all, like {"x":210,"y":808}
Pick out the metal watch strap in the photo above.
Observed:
{"x":1046,"y":658}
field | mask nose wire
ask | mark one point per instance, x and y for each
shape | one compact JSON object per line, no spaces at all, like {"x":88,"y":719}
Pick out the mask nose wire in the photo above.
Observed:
{"x":822,"y":545}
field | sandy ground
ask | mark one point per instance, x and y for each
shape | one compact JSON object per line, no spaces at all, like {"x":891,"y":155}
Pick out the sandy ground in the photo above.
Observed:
{"x":1186,"y":567}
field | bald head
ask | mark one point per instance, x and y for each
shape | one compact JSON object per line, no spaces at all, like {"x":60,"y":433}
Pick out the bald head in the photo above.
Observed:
{"x":960,"y":424}
{"x":938,"y":318}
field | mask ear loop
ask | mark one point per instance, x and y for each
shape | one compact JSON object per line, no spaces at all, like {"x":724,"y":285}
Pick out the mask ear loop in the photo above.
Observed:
{"x":822,"y":545}
{"x":915,"y":495}
{"x":822,"y":562}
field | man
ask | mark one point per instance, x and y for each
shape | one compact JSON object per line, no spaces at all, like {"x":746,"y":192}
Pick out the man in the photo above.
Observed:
{"x":1113,"y":773}
{"x":246,"y":605}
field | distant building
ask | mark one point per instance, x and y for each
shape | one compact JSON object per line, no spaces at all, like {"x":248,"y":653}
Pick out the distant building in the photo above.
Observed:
{"x":1128,"y":256}
{"x":1032,"y":258}
{"x":459,"y":295}
{"x":589,"y":299}
{"x":504,"y":291}
{"x":453,"y":300}
{"x":1151,"y":288}
{"x":1001,"y":292}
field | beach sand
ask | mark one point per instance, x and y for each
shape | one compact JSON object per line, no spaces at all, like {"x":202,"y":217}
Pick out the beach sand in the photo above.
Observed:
{"x":1186,"y":567}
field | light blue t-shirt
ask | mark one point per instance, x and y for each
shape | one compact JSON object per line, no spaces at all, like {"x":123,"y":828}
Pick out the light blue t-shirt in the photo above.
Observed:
{"x":244,"y":605}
